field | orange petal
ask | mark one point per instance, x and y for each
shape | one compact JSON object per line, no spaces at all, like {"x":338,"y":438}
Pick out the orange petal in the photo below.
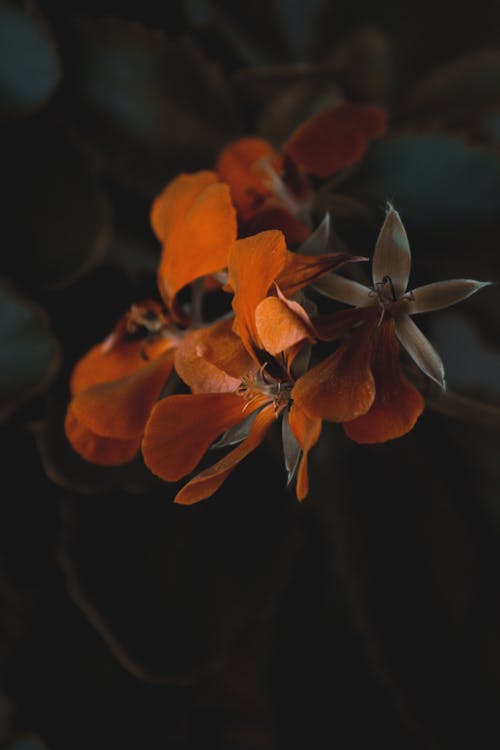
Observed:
{"x":120,"y":409}
{"x":254,"y":264}
{"x":199,"y":243}
{"x":170,"y":207}
{"x":213,"y":359}
{"x":281,"y":324}
{"x":98,"y":450}
{"x":335,"y":138}
{"x":301,"y":270}
{"x":334,"y":325}
{"x":208,"y":481}
{"x":306,"y":431}
{"x":341,"y":387}
{"x":182,"y":428}
{"x":101,"y":365}
{"x":272,"y":215}
{"x":397,"y":404}
{"x":238,"y":166}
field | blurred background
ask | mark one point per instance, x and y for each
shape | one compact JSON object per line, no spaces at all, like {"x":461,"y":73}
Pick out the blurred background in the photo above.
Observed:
{"x":371,"y":612}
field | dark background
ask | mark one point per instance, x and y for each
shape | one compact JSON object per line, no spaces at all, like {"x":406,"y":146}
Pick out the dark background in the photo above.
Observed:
{"x":371,"y":612}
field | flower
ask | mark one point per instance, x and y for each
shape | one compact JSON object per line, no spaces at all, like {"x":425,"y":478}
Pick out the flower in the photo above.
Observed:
{"x":362,"y":383}
{"x":272,"y":190}
{"x":241,"y":373}
{"x":115,"y":385}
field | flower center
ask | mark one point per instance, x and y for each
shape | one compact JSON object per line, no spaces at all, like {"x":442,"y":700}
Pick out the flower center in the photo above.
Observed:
{"x":387,"y":299}
{"x":256,"y":385}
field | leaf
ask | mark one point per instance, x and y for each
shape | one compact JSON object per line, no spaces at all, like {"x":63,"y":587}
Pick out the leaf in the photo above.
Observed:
{"x":151,"y":107}
{"x":56,"y":217}
{"x":29,"y":351}
{"x":465,"y":89}
{"x":447,"y":192}
{"x":30,"y":69}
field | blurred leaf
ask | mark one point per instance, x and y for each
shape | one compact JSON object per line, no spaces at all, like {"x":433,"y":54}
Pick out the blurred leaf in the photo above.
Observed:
{"x":29,"y":352}
{"x":30,"y":69}
{"x":150,"y":106}
{"x":181,"y":583}
{"x":465,"y":90}
{"x":446,"y":191}
{"x":299,"y":20}
{"x":56,"y":217}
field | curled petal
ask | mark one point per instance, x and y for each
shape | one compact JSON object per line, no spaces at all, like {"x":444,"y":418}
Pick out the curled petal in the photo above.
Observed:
{"x":199,"y":243}
{"x":306,"y":431}
{"x":420,"y":349}
{"x":281,"y":324}
{"x":240,"y":166}
{"x":170,"y":207}
{"x":392,"y":257}
{"x":301,"y":270}
{"x":98,"y":450}
{"x":335,"y":138}
{"x":397,"y":404}
{"x":344,"y":290}
{"x":254,"y":264}
{"x":100,"y":365}
{"x":120,"y":409}
{"x":182,"y":428}
{"x":317,"y":241}
{"x":205,"y":483}
{"x":341,"y":387}
{"x":442,"y":294}
{"x":213,"y":359}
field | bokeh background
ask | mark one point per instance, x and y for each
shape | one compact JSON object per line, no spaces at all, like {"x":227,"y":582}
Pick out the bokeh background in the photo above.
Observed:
{"x":371,"y":612}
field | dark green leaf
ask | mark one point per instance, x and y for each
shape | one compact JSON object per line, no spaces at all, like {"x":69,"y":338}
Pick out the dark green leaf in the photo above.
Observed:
{"x":29,"y":64}
{"x":56,"y":216}
{"x":151,"y":107}
{"x":29,"y":352}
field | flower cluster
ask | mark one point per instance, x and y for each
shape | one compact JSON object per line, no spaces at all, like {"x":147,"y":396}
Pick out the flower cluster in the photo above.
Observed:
{"x":246,"y":229}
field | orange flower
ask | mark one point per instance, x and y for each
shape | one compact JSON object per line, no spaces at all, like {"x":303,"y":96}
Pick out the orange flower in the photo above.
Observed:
{"x":272,"y":190}
{"x":195,"y":221}
{"x":115,"y":385}
{"x":362,"y":383}
{"x":241,"y":374}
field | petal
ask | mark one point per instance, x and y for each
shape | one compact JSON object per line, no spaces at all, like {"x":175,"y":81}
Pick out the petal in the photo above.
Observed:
{"x":98,"y":450}
{"x":334,"y":325}
{"x":199,"y":244}
{"x":208,"y":481}
{"x":281,"y":324}
{"x":317,"y":242}
{"x":306,"y":431}
{"x":335,"y":138}
{"x":345,"y":290}
{"x":182,"y":428}
{"x":101,"y":365}
{"x":397,"y":404}
{"x":213,"y":359}
{"x":254,"y":264}
{"x":420,"y":349}
{"x":120,"y":408}
{"x":442,"y":294}
{"x":239,"y":166}
{"x":341,"y":387}
{"x":170,"y":207}
{"x":392,"y":257}
{"x":301,"y":270}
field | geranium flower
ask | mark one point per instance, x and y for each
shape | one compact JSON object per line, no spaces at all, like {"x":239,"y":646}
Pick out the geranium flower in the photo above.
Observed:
{"x":241,"y":374}
{"x":362,"y":384}
{"x":273,"y":190}
{"x":115,"y":385}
